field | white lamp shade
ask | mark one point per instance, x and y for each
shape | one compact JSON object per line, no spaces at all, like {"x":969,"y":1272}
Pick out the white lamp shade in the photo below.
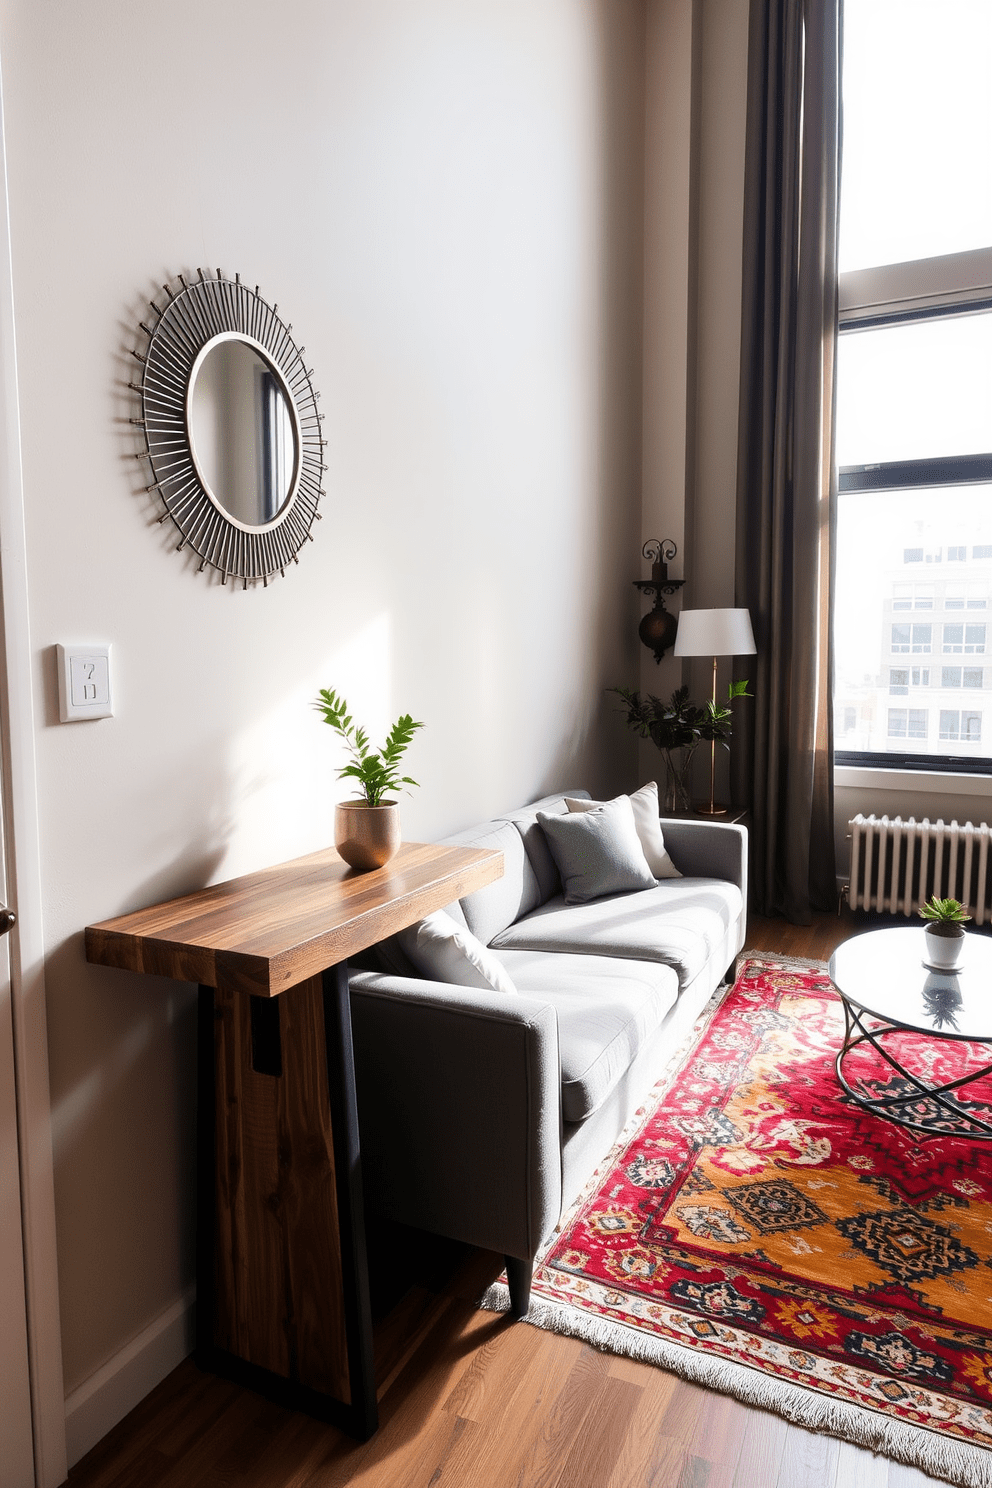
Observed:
{"x":714,"y":633}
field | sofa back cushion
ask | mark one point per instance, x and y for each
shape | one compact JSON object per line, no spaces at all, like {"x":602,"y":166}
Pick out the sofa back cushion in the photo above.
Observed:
{"x":530,"y":877}
{"x":499,"y":904}
{"x":545,"y":869}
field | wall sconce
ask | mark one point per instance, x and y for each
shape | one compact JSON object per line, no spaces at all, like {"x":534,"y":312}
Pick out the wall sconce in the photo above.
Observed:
{"x":658,"y":628}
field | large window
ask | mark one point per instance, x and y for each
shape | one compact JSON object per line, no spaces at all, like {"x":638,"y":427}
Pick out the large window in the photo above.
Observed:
{"x":914,"y":387}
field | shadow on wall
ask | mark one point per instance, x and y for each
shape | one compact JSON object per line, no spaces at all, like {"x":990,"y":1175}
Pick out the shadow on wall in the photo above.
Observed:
{"x":127,"y":1061}
{"x":614,"y":603}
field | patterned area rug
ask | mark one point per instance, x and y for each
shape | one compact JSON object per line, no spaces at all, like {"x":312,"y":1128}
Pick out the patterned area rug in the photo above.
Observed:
{"x":762,"y":1235}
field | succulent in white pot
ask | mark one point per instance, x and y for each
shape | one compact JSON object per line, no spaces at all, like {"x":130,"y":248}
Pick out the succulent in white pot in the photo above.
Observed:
{"x":944,"y":932}
{"x":367,"y":829}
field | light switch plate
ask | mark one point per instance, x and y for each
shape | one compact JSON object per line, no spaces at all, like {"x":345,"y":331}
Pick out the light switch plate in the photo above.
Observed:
{"x":84,"y":683}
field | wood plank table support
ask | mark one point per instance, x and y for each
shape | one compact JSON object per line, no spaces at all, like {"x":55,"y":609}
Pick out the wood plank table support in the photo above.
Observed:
{"x":282,"y":1278}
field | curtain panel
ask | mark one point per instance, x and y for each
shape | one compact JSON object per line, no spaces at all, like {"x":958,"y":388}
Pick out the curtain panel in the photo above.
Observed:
{"x":786,"y":480}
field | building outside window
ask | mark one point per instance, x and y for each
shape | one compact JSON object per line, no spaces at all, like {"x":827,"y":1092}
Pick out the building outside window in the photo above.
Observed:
{"x":908,"y":723}
{"x":914,"y":387}
{"x":961,"y":725}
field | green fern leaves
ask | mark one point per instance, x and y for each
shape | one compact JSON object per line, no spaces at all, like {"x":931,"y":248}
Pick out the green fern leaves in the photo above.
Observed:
{"x":377,"y":772}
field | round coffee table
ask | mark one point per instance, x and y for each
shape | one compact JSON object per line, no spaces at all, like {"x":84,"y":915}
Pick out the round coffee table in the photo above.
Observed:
{"x":881,"y":977}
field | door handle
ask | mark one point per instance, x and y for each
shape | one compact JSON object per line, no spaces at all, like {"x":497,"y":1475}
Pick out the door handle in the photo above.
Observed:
{"x":7,"y":919}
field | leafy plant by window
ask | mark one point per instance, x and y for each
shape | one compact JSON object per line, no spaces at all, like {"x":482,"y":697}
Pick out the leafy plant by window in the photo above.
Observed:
{"x":377,"y":771}
{"x":679,"y":726}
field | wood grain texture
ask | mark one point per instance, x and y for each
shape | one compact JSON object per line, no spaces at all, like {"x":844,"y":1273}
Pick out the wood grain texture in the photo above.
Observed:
{"x":270,"y":930}
{"x":278,"y":1299}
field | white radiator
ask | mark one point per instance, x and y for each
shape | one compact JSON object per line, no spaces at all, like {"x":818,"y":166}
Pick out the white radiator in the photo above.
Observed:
{"x":897,"y":865}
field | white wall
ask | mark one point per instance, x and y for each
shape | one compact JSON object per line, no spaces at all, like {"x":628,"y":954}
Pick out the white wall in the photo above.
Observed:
{"x":444,"y":198}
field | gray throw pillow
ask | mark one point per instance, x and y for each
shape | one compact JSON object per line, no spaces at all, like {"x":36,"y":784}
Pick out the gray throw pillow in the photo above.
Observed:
{"x":598,"y":852}
{"x":645,"y":806}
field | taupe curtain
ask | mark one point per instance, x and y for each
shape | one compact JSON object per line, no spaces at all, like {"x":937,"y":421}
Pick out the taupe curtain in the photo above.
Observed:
{"x":786,"y":483}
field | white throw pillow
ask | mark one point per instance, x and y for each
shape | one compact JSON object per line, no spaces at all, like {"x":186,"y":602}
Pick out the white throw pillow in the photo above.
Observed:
{"x":444,"y":951}
{"x":645,"y":807}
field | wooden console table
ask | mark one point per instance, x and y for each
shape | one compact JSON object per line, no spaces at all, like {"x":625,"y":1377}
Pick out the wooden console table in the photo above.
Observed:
{"x":282,"y":1279}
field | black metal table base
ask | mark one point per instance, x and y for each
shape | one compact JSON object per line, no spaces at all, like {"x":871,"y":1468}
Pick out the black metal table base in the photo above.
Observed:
{"x":965,"y":1123}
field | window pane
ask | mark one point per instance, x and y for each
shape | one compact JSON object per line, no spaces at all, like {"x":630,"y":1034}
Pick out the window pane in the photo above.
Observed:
{"x":882,"y":655}
{"x":917,"y":120}
{"x":913,"y":391}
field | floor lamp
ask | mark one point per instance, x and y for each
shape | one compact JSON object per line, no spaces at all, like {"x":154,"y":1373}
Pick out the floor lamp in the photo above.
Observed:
{"x":714,"y":633}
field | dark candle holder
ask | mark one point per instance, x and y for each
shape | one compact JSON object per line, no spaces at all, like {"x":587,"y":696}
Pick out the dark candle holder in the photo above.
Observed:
{"x":658,"y":628}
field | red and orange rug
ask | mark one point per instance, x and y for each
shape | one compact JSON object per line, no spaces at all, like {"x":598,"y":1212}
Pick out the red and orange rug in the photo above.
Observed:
{"x":762,"y":1235}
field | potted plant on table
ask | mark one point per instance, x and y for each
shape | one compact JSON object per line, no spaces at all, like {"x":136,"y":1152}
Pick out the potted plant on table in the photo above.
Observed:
{"x":943,"y":932}
{"x":367,"y":828}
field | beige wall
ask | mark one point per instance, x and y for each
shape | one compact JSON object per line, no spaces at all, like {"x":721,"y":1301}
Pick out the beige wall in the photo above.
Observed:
{"x":694,"y":199}
{"x":444,"y":198}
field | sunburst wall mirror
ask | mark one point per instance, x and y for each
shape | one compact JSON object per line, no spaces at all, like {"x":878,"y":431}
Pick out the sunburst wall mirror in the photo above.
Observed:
{"x":231,"y":425}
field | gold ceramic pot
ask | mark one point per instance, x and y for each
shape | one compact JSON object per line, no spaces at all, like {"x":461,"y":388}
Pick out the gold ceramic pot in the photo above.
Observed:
{"x":366,"y":836}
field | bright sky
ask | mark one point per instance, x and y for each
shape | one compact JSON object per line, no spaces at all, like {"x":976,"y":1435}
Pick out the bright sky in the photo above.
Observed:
{"x":917,"y":170}
{"x":920,"y":389}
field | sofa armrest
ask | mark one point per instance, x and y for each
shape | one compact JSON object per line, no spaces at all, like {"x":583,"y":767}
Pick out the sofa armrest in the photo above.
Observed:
{"x":459,"y":1103}
{"x":702,"y":849}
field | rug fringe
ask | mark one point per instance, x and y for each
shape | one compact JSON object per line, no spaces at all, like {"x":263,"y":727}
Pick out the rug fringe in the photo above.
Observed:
{"x":914,"y":1446}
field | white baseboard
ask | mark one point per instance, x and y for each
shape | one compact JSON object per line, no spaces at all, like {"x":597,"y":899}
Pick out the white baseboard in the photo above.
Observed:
{"x":95,"y":1406}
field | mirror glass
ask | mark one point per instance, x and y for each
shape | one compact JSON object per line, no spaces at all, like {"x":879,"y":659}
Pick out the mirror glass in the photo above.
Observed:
{"x":242,"y":431}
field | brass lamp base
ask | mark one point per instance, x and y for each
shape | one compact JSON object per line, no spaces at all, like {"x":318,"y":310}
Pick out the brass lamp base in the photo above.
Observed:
{"x":710,"y":810}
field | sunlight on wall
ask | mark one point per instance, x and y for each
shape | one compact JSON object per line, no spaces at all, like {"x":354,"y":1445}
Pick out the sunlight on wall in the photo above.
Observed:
{"x":282,"y":766}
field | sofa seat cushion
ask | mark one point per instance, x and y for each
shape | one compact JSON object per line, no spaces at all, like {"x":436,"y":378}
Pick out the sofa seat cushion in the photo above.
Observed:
{"x":607,"y":1011}
{"x":680,"y":924}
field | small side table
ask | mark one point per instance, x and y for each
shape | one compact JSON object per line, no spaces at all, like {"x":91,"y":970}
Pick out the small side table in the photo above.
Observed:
{"x":282,"y":1276}
{"x":734,"y":815}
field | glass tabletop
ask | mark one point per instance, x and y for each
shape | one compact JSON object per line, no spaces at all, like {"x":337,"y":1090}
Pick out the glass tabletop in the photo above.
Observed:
{"x":882,"y":972}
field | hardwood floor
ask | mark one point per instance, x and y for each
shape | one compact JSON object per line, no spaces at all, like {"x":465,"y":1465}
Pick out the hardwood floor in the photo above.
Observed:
{"x":470,"y":1400}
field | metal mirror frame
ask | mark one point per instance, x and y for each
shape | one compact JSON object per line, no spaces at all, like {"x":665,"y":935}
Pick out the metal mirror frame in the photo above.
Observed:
{"x":195,"y":317}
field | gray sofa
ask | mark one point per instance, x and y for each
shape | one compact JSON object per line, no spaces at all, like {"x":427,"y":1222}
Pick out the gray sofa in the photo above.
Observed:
{"x":482,"y":1115}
